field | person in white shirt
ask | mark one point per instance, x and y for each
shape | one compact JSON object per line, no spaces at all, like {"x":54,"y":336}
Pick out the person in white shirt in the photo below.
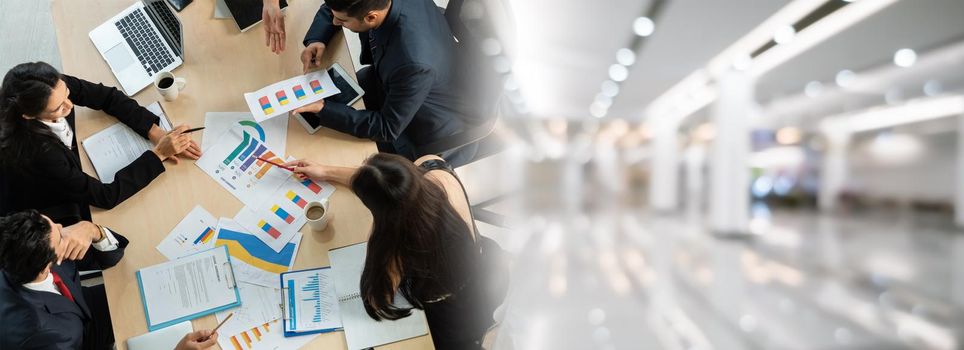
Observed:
{"x":42,"y":303}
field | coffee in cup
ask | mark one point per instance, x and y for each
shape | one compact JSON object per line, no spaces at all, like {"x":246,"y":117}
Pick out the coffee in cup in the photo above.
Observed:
{"x":168,"y":85}
{"x":317,"y":215}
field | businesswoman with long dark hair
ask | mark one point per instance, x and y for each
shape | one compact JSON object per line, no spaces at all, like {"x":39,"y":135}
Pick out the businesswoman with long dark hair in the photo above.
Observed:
{"x":423,"y":246}
{"x":40,"y":164}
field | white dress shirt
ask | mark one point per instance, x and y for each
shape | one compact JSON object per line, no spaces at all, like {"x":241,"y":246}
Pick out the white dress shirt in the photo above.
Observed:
{"x":62,"y":130}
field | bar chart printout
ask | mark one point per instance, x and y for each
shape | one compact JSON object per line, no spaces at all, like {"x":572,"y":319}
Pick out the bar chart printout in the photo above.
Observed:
{"x":311,"y":303}
{"x":233,"y":161}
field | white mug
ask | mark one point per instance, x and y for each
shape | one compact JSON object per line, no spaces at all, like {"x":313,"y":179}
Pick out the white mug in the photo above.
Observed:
{"x":171,"y":91}
{"x":318,"y":224}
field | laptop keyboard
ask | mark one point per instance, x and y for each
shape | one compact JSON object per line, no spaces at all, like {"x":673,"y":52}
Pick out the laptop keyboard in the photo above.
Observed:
{"x":145,"y":42}
{"x":169,"y":20}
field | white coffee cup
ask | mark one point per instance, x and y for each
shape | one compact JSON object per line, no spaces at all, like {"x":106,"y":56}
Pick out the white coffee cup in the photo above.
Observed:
{"x":317,"y":222}
{"x":168,"y":85}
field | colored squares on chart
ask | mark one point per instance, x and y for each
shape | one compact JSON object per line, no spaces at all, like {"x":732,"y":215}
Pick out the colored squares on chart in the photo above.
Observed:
{"x":205,"y":236}
{"x":313,"y":187}
{"x":281,"y":213}
{"x":265,"y":105}
{"x":282,"y":97}
{"x":299,"y":92}
{"x":270,"y":230}
{"x":316,"y":87}
{"x":296,"y":199}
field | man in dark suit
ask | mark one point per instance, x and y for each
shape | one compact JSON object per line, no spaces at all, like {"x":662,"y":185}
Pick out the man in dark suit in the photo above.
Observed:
{"x":42,"y":304}
{"x":415,"y":94}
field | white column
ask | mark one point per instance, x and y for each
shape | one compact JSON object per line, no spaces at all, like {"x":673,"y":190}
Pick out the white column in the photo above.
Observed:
{"x":833,"y":174}
{"x":959,"y":201}
{"x":664,"y":182}
{"x":729,"y":175}
{"x":694,"y":158}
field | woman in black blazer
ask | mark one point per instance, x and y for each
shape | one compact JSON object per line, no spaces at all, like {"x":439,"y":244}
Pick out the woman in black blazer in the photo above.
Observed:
{"x":40,"y":164}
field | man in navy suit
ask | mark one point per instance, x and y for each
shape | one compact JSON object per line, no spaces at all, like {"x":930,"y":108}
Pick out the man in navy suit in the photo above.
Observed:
{"x":417,"y":91}
{"x":42,"y":304}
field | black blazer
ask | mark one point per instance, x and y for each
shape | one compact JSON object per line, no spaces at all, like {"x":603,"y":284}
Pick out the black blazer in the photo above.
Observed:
{"x":416,"y":62}
{"x":54,"y":182}
{"x":42,"y":320}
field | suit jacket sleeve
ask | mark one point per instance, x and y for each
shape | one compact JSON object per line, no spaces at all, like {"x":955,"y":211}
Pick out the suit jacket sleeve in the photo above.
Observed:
{"x":77,"y":186}
{"x":98,"y":260}
{"x":111,"y":101}
{"x":321,"y":28}
{"x":406,"y":90}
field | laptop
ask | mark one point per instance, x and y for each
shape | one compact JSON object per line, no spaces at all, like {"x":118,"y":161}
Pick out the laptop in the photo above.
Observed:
{"x":139,"y":42}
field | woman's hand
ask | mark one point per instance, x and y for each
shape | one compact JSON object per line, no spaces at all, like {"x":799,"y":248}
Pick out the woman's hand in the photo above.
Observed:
{"x":172,"y":144}
{"x":193,"y":151}
{"x":306,"y":169}
{"x":199,"y":340}
{"x":274,"y":26}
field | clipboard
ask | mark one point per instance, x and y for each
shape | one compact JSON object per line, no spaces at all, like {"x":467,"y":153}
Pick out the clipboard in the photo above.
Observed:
{"x":289,"y":301}
{"x":209,"y":271}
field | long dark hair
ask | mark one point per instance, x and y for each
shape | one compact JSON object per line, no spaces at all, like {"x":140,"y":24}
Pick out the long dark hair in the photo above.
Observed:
{"x":25,"y":91}
{"x":417,"y":236}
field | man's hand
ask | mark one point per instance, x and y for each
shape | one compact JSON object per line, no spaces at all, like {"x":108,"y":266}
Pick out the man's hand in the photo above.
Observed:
{"x":76,"y":239}
{"x":313,"y":107}
{"x":274,"y":26}
{"x":311,"y":56}
{"x":197,"y":340}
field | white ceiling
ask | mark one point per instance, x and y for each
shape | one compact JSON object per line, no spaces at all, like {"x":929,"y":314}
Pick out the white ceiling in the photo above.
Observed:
{"x":564,"y":49}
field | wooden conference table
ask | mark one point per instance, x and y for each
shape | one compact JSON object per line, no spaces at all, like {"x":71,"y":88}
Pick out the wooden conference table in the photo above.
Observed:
{"x":221,"y":63}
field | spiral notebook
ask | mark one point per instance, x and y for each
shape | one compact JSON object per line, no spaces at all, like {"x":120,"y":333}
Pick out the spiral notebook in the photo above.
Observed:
{"x":361,"y":331}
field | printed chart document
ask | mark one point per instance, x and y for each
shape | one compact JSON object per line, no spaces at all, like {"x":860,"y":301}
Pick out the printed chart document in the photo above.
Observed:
{"x":285,"y":96}
{"x":187,"y":288}
{"x":268,"y":336}
{"x":254,"y":261}
{"x":361,"y":331}
{"x":196,"y":232}
{"x":274,"y":198}
{"x":309,"y":303}
{"x":259,"y":305}
{"x":115,"y":147}
{"x":272,"y":132}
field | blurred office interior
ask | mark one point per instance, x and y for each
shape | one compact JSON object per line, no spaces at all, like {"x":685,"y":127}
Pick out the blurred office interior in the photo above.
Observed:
{"x":740,"y":174}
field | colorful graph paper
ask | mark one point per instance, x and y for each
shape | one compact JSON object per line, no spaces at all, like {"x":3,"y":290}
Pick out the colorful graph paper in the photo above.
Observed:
{"x":296,"y":199}
{"x":313,"y":187}
{"x":281,"y":213}
{"x":266,"y":227}
{"x":265,"y":105}
{"x":299,"y":92}
{"x":316,"y":87}
{"x":205,"y":236}
{"x":282,"y":97}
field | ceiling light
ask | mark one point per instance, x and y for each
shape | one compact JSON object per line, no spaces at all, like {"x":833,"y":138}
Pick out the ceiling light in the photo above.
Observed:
{"x":604,"y":100}
{"x":905,"y":58}
{"x":610,"y":88}
{"x":643,"y":26}
{"x":625,"y":57}
{"x":813,"y":89}
{"x":845,"y":78}
{"x":491,"y":47}
{"x":788,"y":135}
{"x":618,"y":72}
{"x":597,"y":110}
{"x":933,"y":88}
{"x":510,"y":84}
{"x":784,"y":34}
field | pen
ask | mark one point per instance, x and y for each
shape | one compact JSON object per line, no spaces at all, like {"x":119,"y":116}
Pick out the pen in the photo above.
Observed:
{"x":216,"y":328}
{"x":188,"y":131}
{"x":276,"y":164}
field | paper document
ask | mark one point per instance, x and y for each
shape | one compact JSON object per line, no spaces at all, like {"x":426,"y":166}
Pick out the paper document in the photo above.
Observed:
{"x":361,"y":331}
{"x":187,"y":288}
{"x":253,"y":260}
{"x":259,"y":305}
{"x":196,"y":232}
{"x":272,"y":132}
{"x":310,"y":305}
{"x":164,"y":339}
{"x":268,"y":336}
{"x":115,"y":147}
{"x":287,"y":95}
{"x":281,"y":215}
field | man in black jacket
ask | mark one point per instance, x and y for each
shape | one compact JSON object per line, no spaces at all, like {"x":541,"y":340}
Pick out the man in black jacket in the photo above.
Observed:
{"x":415,"y":94}
{"x":42,"y":304}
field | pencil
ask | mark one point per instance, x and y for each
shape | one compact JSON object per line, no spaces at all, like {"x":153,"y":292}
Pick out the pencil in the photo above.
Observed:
{"x":216,"y":328}
{"x":276,"y":164}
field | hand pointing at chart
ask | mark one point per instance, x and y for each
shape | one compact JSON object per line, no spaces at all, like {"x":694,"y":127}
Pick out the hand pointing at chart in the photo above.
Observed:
{"x":197,"y":340}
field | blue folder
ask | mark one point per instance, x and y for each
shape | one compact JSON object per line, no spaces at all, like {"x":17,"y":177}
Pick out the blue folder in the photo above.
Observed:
{"x":287,"y":296}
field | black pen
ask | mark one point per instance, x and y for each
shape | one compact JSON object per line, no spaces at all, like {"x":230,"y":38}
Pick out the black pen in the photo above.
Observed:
{"x":188,"y":131}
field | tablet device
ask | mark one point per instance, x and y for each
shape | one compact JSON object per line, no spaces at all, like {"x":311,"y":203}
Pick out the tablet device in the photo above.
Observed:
{"x":179,"y":4}
{"x":350,"y":93}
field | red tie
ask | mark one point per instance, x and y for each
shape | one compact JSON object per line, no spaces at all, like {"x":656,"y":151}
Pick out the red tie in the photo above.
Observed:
{"x":61,"y":286}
